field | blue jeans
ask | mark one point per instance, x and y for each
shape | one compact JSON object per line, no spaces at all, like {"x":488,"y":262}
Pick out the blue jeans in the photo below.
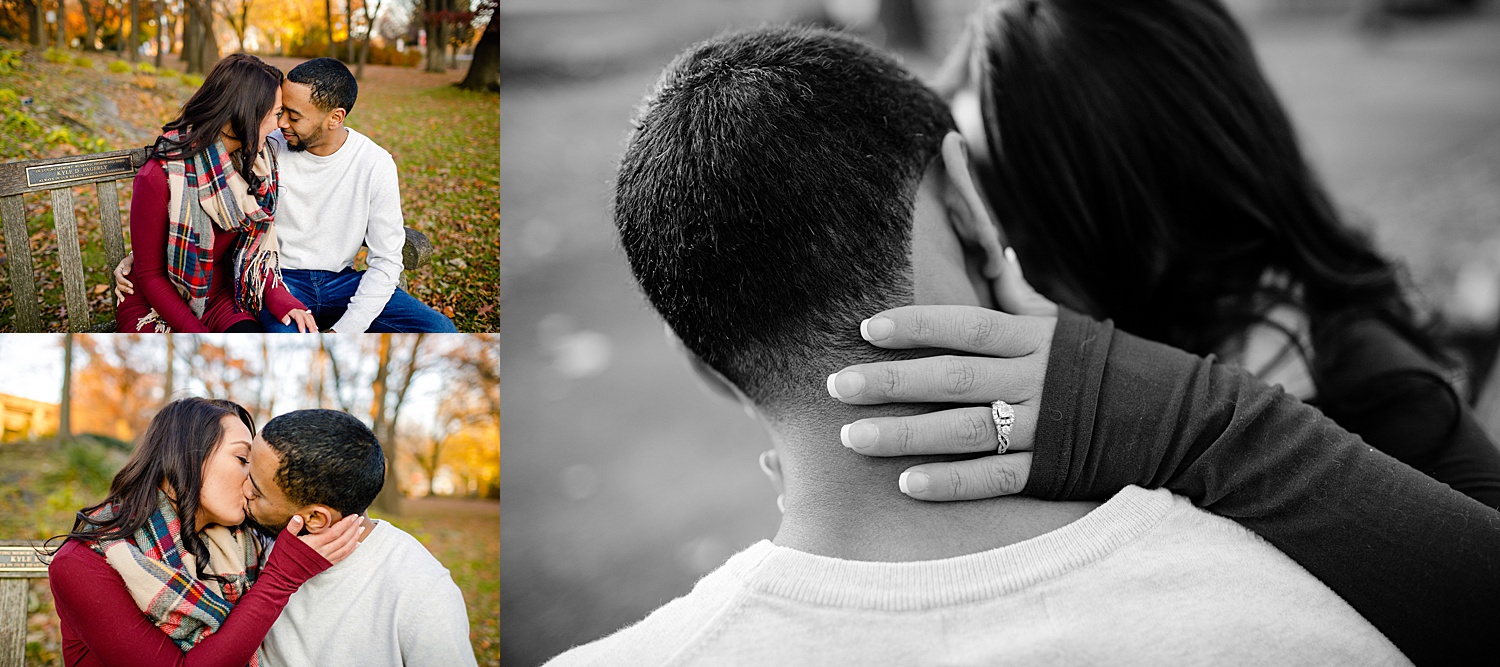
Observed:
{"x":327,"y":295}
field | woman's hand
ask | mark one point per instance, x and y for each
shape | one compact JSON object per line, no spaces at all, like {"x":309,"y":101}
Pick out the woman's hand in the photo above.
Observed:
{"x":1012,"y":369}
{"x":334,"y":544}
{"x":122,"y":285}
{"x":304,"y":319}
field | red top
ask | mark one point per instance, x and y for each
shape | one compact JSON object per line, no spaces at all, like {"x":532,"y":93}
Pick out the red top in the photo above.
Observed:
{"x":101,"y":626}
{"x":148,"y":240}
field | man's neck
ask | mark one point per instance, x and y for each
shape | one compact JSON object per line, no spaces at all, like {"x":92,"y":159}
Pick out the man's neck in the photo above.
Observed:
{"x":844,"y":505}
{"x":334,"y":143}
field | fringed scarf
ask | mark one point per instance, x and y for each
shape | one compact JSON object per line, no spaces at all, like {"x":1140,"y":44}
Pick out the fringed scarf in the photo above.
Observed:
{"x":207,"y":193}
{"x":163,"y":577}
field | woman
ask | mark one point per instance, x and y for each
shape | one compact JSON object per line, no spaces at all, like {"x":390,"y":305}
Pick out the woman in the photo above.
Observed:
{"x":202,"y":220}
{"x":1144,"y":171}
{"x":161,"y":572}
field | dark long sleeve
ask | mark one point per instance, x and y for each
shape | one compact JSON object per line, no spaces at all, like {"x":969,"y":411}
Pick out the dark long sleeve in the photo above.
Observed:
{"x":1379,"y":386}
{"x":103,"y":626}
{"x":1420,"y":561}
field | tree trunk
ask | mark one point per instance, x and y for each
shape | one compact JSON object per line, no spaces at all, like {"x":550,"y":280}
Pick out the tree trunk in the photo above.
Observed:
{"x":364,"y":45}
{"x":328,"y":14}
{"x":166,"y":391}
{"x":162,"y":29}
{"x":349,"y":30}
{"x":119,"y":28}
{"x":90,"y":26}
{"x":62,"y":24}
{"x":389,"y":499}
{"x":132,"y":46}
{"x":436,"y":40}
{"x":65,"y":407}
{"x":204,"y":51}
{"x":338,"y":384}
{"x":38,"y":24}
{"x":392,"y":465}
{"x":187,"y":36}
{"x":484,"y":71}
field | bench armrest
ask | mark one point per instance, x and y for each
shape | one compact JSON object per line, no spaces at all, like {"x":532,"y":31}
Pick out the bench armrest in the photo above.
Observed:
{"x":417,"y":252}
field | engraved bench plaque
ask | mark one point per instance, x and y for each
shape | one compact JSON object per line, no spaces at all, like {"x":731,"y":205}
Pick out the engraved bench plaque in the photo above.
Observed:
{"x":22,"y":560}
{"x":80,"y":170}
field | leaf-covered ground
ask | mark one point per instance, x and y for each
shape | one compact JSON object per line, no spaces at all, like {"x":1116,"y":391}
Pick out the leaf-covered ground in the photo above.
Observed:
{"x":445,"y":142}
{"x":43,"y":483}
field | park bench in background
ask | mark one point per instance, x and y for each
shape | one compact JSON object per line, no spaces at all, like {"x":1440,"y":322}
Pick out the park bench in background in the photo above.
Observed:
{"x":18,"y":564}
{"x":58,"y":177}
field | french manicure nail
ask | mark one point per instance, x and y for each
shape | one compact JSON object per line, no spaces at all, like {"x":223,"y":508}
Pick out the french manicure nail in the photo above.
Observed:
{"x":911,"y":482}
{"x":859,"y":435}
{"x":877,"y":328}
{"x":851,"y":385}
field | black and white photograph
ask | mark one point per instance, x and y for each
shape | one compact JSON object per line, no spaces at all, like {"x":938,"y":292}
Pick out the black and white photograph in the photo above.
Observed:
{"x":1001,"y":332}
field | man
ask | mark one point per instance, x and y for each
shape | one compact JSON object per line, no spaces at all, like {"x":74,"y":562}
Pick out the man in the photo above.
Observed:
{"x":338,"y":190}
{"x":783,"y":184}
{"x":391,"y":602}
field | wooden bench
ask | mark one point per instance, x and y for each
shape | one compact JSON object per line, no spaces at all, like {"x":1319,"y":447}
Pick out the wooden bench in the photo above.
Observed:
{"x":58,"y":177}
{"x":18,"y":564}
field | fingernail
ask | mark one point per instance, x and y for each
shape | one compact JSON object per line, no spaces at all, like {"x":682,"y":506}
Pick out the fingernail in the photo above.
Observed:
{"x":911,"y":482}
{"x":1010,"y":255}
{"x":853,"y":383}
{"x":859,"y":435}
{"x":877,"y":328}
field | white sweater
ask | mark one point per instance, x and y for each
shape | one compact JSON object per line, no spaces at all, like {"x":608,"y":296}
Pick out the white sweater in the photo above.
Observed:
{"x":1144,"y":579}
{"x":329,"y":206}
{"x":388,"y":604}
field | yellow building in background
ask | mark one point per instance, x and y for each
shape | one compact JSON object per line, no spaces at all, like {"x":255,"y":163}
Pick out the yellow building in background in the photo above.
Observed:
{"x":26,"y":419}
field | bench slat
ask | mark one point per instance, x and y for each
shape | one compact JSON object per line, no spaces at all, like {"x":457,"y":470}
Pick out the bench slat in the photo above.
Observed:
{"x":18,"y":259}
{"x":71,"y":259}
{"x":12,"y":622}
{"x":114,"y":239}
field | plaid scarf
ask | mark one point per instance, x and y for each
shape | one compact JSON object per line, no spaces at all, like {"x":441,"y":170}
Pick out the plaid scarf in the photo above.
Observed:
{"x":207,"y":193}
{"x":163,"y":578}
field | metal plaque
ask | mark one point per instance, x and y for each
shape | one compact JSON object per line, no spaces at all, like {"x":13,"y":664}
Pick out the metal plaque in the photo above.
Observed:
{"x":21,"y":559}
{"x":81,"y":170}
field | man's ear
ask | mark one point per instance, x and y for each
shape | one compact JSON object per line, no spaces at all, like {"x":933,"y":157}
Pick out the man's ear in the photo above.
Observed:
{"x":319,"y":518}
{"x":708,"y":378}
{"x":336,"y":118}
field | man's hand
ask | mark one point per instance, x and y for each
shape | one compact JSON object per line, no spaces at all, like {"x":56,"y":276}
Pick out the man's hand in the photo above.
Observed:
{"x":304,"y":319}
{"x":123,"y":286}
{"x":1012,"y":368}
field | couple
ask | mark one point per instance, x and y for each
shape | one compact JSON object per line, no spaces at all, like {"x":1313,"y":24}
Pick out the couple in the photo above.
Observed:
{"x":252,"y":205}
{"x":172,"y":567}
{"x":1172,"y":509}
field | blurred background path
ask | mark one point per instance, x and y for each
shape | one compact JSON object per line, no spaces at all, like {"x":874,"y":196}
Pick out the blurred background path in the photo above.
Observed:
{"x":624,"y":482}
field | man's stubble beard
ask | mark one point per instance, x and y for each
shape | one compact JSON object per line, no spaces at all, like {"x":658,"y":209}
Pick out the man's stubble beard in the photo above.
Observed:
{"x":261,"y":528}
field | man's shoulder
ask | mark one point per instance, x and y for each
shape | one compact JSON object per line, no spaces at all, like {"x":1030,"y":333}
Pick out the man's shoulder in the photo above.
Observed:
{"x":672,"y":629}
{"x":400,"y":547}
{"x":369,"y":150}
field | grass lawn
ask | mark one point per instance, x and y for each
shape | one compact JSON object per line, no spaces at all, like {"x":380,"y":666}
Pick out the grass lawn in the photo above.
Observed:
{"x":446,"y":143}
{"x":43,"y":483}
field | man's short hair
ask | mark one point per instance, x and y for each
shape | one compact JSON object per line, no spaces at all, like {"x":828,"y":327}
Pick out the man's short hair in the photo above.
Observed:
{"x":765,"y":199}
{"x":328,"y":457}
{"x":333,"y":87}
